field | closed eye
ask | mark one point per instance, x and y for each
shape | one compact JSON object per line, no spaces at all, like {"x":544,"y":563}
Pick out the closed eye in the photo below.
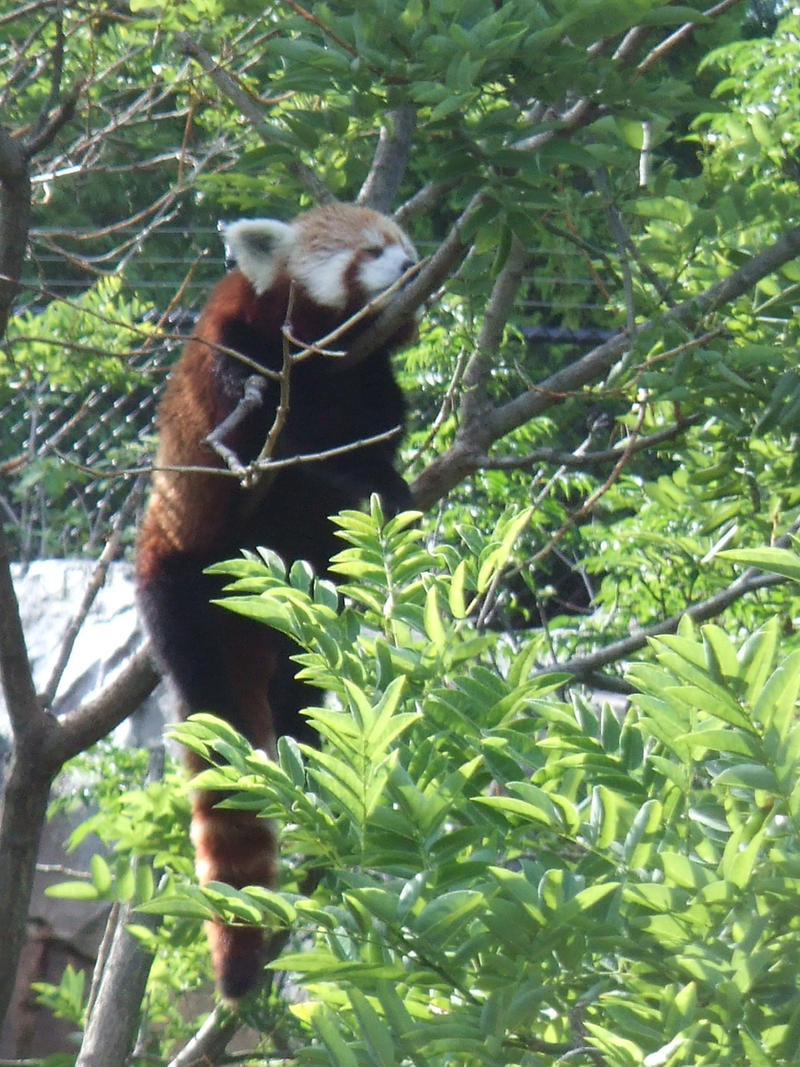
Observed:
{"x":374,"y":251}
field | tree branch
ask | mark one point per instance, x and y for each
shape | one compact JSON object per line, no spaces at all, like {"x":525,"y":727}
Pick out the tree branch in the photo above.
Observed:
{"x":244,"y":102}
{"x":475,"y":404}
{"x":95,"y":585}
{"x":674,"y":39}
{"x":118,"y":985}
{"x":464,"y":456}
{"x":55,"y":120}
{"x":385,"y":177}
{"x":581,"y":460}
{"x":208,"y":1045}
{"x":423,"y":200}
{"x":124,"y":694}
{"x":41,"y":745}
{"x":583,"y":666}
{"x":15,"y":207}
{"x":27,"y":786}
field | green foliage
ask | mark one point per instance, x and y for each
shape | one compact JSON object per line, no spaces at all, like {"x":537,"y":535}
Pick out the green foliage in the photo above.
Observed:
{"x":80,"y":344}
{"x":514,"y":872}
{"x":511,"y":877}
{"x":64,"y":1000}
{"x":143,"y":829}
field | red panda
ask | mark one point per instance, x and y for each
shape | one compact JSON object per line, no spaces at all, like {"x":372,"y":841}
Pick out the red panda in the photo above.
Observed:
{"x":333,"y":260}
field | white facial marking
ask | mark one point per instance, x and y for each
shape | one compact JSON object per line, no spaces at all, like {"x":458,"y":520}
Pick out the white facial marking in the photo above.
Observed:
{"x":379,"y":272}
{"x":372,"y":239}
{"x":259,"y":247}
{"x":323,"y":276}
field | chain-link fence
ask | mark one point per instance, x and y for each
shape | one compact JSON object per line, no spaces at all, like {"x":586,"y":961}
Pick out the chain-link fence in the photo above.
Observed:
{"x":70,"y":458}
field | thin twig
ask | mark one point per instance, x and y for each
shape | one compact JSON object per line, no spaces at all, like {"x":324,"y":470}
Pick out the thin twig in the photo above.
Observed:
{"x":674,"y":39}
{"x":751,"y":580}
{"x":227,"y":84}
{"x":96,"y":583}
{"x":601,"y":490}
{"x":578,"y":460}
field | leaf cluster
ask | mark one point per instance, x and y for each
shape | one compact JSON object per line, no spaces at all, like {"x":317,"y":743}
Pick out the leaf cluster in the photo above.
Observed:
{"x":513,"y":875}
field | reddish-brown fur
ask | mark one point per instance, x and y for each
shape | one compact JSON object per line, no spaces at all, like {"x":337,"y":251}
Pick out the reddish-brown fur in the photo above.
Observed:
{"x":218,"y":661}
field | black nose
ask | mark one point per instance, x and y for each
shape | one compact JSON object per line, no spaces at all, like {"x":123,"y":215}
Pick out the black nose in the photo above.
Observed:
{"x":407,"y":264}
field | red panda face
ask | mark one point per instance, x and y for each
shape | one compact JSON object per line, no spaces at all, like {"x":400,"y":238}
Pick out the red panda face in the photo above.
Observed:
{"x":342,"y":255}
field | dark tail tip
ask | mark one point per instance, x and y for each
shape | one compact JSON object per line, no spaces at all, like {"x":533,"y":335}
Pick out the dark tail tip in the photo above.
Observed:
{"x":237,"y":953}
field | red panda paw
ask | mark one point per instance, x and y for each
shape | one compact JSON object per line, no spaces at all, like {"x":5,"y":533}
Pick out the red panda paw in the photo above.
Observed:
{"x":237,"y":953}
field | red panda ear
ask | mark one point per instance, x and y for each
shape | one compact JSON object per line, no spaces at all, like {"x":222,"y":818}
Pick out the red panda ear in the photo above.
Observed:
{"x":258,"y":247}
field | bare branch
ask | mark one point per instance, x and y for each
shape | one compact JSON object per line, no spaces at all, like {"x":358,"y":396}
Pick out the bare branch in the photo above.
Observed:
{"x":54,"y":114}
{"x":475,"y":404}
{"x":227,"y":85}
{"x":328,"y":453}
{"x":25,"y":9}
{"x":27,"y":785}
{"x":249,"y":402}
{"x":41,"y":745}
{"x":423,"y":200}
{"x":465,"y":454}
{"x":26,"y":791}
{"x":681,"y":34}
{"x":430,"y":277}
{"x":601,"y":490}
{"x":24,"y":710}
{"x":209,"y":1043}
{"x":385,"y":177}
{"x":582,"y":113}
{"x":316,"y":21}
{"x":15,"y":207}
{"x":56,"y":70}
{"x":580,"y":461}
{"x":95,"y":585}
{"x":749,"y":582}
{"x":118,"y":986}
{"x":123,"y":695}
{"x":586,"y":110}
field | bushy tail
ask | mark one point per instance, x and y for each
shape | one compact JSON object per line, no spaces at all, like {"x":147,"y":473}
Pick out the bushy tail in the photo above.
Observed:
{"x":239,"y":848}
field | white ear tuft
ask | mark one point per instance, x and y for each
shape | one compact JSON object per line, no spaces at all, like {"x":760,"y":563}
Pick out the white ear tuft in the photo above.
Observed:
{"x":258,"y":247}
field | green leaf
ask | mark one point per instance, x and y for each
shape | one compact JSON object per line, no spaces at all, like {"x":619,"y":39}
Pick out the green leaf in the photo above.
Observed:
{"x":377,"y":1036}
{"x":326,"y":1026}
{"x":646,"y":822}
{"x":776,"y":704}
{"x":101,"y":875}
{"x":535,"y":808}
{"x":72,"y":891}
{"x":605,"y":815}
{"x":758,"y":656}
{"x":444,"y":917}
{"x":456,"y":593}
{"x":708,"y":740}
{"x":739,"y":858}
{"x":721,"y":653}
{"x":433,"y":619}
{"x":184,"y":905}
{"x":144,"y":885}
{"x":777,"y":560}
{"x":748,"y":776}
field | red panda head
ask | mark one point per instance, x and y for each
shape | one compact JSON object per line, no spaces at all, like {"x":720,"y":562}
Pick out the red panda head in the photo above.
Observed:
{"x":341,"y":254}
